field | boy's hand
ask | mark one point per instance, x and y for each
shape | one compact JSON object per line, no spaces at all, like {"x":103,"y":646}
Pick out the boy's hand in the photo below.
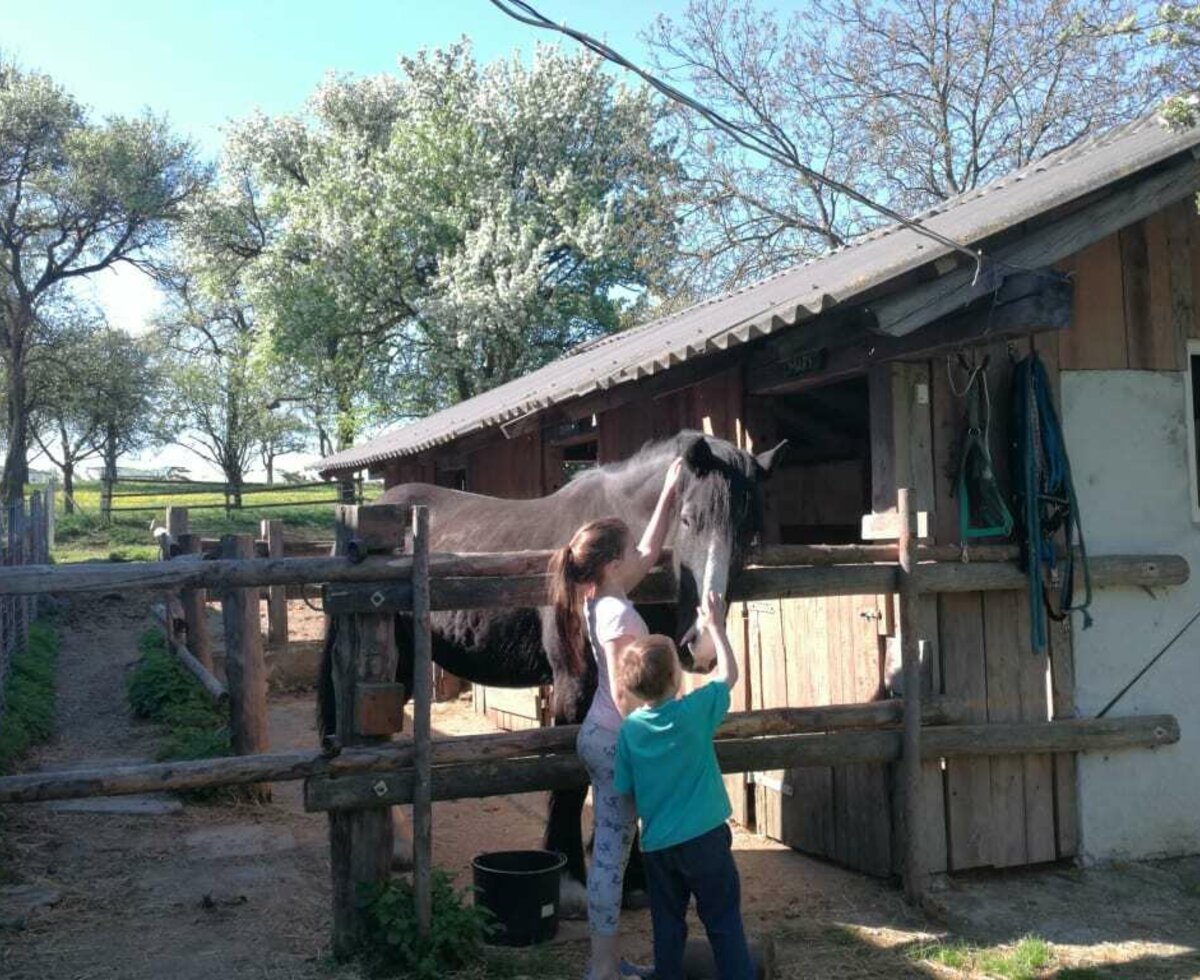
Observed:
{"x":711,"y":614}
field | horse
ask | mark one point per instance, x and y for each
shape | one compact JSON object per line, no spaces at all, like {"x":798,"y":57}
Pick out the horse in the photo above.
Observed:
{"x":719,"y":516}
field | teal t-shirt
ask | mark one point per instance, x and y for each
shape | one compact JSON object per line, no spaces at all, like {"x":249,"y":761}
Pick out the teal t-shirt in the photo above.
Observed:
{"x":665,"y":758}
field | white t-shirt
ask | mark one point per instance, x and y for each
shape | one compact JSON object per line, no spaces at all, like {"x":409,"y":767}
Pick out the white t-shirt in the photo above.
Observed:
{"x":609,"y":617}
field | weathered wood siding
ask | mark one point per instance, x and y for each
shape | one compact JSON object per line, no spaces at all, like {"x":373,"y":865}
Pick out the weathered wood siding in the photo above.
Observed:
{"x":1135,"y":309}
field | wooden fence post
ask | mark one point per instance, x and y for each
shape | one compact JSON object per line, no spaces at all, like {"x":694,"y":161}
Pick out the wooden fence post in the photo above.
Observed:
{"x":422,"y":714}
{"x":51,"y":513}
{"x":910,"y":651}
{"x":16,"y":554}
{"x":195,"y":608}
{"x":177,"y":525}
{"x":369,"y":706}
{"x":277,"y":609}
{"x":33,"y":544}
{"x":106,"y":497}
{"x":6,"y":603}
{"x":245,"y":668}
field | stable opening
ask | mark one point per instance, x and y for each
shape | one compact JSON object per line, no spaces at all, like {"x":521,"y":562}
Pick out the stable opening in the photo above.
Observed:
{"x":824,"y":487}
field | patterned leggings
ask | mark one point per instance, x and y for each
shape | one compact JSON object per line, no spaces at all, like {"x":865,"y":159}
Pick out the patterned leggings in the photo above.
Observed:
{"x":615,"y":822}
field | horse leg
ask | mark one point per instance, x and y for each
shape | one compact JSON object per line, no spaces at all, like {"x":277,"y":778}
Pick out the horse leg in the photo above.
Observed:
{"x":564,"y":824}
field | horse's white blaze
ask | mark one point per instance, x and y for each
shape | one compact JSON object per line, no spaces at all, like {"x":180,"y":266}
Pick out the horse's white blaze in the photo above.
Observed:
{"x":716,"y":567}
{"x":715,"y":579}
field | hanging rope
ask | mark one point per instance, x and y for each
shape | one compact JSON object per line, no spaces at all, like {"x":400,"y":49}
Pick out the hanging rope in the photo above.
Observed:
{"x":1046,"y":502}
{"x":982,"y":512}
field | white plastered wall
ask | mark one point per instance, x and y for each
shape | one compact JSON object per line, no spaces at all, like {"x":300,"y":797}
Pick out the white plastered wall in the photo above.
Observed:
{"x":1127,"y":437}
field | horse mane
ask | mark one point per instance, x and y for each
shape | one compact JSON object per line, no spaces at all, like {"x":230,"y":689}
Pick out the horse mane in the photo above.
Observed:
{"x":658,"y":452}
{"x":714,"y":501}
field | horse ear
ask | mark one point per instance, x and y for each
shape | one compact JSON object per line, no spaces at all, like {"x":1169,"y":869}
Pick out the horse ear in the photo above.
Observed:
{"x":770,"y":459}
{"x":698,"y":456}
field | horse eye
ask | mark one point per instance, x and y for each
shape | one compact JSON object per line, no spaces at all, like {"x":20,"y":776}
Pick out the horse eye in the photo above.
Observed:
{"x":685,"y":520}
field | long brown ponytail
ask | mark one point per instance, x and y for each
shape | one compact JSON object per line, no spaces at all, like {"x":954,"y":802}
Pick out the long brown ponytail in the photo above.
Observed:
{"x":582,"y":562}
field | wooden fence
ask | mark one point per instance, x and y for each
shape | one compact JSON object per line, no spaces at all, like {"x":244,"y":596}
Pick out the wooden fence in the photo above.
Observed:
{"x":234,"y":496}
{"x":26,"y":536}
{"x":361,"y":771}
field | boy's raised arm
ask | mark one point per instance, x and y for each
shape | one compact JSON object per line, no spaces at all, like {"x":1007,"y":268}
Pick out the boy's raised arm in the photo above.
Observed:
{"x":712,"y":620}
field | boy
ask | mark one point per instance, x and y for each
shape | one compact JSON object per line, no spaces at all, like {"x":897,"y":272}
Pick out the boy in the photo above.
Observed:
{"x":665,"y":759}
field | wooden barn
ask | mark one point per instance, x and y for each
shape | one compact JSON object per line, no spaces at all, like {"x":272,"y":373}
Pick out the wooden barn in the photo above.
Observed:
{"x":858,"y":359}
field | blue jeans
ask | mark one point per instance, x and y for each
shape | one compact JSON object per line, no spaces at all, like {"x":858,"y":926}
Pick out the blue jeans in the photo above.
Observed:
{"x":702,"y":866}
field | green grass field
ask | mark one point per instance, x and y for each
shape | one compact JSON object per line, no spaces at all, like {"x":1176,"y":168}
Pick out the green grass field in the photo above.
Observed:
{"x":307,"y":513}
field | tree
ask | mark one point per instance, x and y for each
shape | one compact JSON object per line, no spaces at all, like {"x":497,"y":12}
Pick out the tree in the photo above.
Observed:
{"x":282,"y":433}
{"x":428,"y":236}
{"x":126,"y":394}
{"x":1170,"y":33}
{"x":911,"y":102}
{"x":95,"y":395}
{"x":63,"y":417}
{"x":213,"y":407}
{"x":76,"y":197}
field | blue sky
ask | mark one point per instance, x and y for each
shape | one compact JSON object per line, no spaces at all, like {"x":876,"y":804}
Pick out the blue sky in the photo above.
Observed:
{"x":205,"y":62}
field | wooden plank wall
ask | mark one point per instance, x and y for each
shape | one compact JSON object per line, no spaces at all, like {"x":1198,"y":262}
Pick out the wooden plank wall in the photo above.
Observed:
{"x":511,"y":468}
{"x":1135,"y":309}
{"x":1135,"y":296}
{"x":419,"y":470}
{"x":818,"y":651}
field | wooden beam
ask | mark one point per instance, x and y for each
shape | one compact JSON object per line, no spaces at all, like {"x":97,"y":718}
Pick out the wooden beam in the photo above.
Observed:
{"x":1025,"y":303}
{"x":448,"y":750}
{"x":192,"y":664}
{"x":277,"y":608}
{"x":1042,"y":247}
{"x":482,"y":581}
{"x":913,"y":864}
{"x":245,"y":667}
{"x":195,"y":607}
{"x":422,"y":723}
{"x":536,"y":773}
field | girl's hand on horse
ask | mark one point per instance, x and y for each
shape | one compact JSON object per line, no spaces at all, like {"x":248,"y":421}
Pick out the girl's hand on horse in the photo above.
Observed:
{"x":673,"y":477}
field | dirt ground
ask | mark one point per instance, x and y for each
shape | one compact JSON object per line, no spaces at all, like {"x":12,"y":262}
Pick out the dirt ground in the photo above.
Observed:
{"x":199,"y":892}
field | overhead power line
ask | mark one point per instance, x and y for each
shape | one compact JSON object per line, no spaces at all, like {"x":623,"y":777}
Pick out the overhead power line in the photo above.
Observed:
{"x":782,"y":153}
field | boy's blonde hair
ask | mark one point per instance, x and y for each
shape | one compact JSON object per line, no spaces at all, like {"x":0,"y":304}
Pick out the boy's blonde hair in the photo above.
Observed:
{"x":648,"y":668}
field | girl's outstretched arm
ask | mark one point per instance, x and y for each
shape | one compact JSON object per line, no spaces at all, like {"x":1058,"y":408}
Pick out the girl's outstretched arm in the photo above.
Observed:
{"x":650,"y":547}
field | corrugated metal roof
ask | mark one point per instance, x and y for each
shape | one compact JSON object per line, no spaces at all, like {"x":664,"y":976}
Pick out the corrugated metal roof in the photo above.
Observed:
{"x":791,"y":296}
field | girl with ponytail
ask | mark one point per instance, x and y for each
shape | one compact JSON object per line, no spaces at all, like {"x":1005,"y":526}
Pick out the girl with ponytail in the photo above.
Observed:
{"x":590,"y":581}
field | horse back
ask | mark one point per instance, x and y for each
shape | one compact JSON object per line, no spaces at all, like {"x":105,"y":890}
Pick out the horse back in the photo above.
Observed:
{"x":472,"y":522}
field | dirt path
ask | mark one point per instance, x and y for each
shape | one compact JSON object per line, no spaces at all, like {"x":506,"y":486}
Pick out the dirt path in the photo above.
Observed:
{"x":208,"y":892}
{"x":203,"y":892}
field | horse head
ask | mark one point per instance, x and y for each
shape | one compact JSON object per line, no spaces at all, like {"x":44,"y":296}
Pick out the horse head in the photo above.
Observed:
{"x":720,"y":519}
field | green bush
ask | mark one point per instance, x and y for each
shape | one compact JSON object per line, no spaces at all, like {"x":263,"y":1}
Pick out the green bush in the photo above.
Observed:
{"x":160,"y":690}
{"x":455,"y":939}
{"x":28,"y":716}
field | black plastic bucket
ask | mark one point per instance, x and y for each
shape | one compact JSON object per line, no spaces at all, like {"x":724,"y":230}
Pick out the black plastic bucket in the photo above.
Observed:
{"x":520,"y":889}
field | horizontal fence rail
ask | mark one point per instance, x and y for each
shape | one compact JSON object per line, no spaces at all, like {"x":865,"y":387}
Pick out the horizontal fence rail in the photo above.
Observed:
{"x":448,"y":750}
{"x":491,"y":581}
{"x":487,"y":777}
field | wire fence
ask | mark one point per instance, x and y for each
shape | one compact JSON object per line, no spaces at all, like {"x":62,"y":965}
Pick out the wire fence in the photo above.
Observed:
{"x":25,"y":539}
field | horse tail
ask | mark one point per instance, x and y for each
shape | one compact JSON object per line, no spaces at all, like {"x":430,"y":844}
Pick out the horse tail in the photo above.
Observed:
{"x":326,"y":701}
